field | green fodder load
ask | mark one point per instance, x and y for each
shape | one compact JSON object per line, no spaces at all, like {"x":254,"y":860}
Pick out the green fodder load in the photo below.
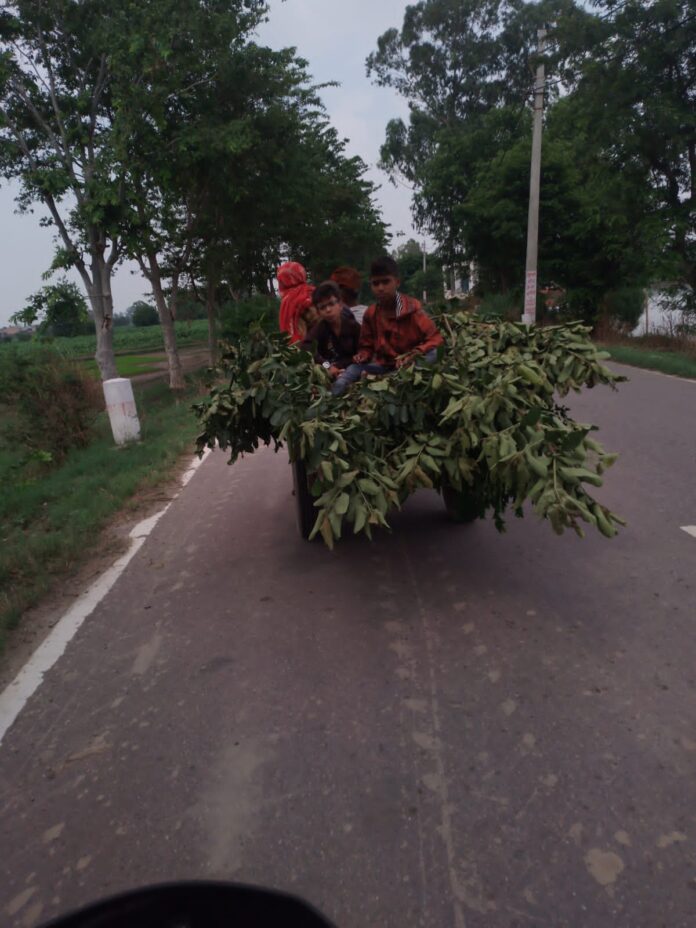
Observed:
{"x":483,"y":421}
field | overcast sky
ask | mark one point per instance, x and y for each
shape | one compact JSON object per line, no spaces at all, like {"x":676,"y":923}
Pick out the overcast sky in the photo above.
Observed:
{"x":335,"y":36}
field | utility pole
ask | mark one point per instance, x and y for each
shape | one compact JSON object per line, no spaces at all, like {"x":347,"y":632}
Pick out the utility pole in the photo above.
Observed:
{"x":530,"y":282}
{"x":425,"y":292}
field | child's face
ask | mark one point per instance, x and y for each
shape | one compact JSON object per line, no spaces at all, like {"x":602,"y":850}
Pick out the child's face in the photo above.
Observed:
{"x":330,"y":309}
{"x":384,"y":289}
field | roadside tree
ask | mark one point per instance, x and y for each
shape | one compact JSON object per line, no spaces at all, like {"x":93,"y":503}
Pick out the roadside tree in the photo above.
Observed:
{"x":56,"y":309}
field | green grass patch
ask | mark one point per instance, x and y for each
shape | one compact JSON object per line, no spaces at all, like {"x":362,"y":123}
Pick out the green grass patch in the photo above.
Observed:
{"x":130,"y":365}
{"x":48,"y":524}
{"x":126,"y":339}
{"x":668,"y":362}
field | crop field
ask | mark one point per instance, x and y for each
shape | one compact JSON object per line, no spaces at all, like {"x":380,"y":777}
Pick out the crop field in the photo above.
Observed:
{"x":127,"y":340}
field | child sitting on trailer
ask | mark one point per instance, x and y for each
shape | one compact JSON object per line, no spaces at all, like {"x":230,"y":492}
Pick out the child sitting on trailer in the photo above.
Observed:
{"x":395,"y":329}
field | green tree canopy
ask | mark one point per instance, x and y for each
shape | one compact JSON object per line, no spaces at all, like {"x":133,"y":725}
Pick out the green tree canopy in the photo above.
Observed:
{"x":619,"y":141}
{"x":56,"y":309}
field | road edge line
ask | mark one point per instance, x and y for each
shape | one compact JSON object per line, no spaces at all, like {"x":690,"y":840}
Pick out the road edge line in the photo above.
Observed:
{"x":17,"y":694}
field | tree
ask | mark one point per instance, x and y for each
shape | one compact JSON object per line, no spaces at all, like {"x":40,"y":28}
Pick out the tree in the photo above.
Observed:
{"x":466,"y":150}
{"x":330,"y":218}
{"x":167,"y":127}
{"x":72,"y":77}
{"x":143,"y":314}
{"x":630,"y":69}
{"x":55,"y":106}
{"x":59,"y":309}
{"x":414,"y":281}
{"x":455,"y":61}
{"x":267,"y":177}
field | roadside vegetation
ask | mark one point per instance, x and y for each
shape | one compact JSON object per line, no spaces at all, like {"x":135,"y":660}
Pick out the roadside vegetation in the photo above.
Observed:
{"x":657,"y":353}
{"x":52,"y":513}
{"x":127,"y":340}
{"x":61,"y":478}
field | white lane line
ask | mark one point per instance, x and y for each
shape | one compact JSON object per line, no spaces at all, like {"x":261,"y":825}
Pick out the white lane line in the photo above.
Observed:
{"x":17,"y":694}
{"x":689,"y":529}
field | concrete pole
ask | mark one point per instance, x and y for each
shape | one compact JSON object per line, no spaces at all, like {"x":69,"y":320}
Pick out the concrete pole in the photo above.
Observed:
{"x":425,"y":292}
{"x":120,"y":405}
{"x":530,"y":287}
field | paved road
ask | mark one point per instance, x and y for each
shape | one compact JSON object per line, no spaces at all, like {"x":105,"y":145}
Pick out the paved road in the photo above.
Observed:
{"x":447,"y":727}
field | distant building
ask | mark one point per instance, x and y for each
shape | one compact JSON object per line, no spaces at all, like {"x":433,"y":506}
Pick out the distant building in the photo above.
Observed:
{"x":459,"y":280}
{"x":662,"y":313}
{"x":8,"y":332}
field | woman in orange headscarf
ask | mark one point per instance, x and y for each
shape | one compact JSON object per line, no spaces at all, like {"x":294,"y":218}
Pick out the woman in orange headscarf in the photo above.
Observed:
{"x":297,"y":314}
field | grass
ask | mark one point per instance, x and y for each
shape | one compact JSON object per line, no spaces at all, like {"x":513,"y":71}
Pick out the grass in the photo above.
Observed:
{"x":129,"y":365}
{"x":668,"y":362}
{"x":49,"y":523}
{"x":127,"y":339}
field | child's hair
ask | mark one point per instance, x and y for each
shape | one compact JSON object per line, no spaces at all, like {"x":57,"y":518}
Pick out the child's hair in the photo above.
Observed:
{"x":324,"y":291}
{"x":384,"y":267}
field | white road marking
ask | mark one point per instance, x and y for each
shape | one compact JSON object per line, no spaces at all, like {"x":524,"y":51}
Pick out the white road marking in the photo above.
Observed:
{"x":17,"y":694}
{"x":689,"y":529}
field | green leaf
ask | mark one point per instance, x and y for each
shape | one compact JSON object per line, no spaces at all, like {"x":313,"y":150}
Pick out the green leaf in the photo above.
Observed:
{"x":342,"y":503}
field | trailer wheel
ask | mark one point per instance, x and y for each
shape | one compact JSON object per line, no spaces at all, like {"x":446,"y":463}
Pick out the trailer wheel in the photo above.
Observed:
{"x":461,"y":506}
{"x":304,"y":503}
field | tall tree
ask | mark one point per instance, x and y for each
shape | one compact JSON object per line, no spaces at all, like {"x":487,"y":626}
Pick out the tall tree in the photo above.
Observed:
{"x":466,"y":149}
{"x":630,"y":68}
{"x":167,"y":132}
{"x":454,"y":61}
{"x":55,"y":103}
{"x":59,"y":309}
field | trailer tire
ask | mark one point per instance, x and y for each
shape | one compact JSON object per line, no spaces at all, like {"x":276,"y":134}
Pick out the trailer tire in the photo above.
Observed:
{"x":461,"y":506}
{"x":305,"y":512}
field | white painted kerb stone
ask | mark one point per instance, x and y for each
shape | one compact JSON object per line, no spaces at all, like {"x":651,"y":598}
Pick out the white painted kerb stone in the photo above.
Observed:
{"x":120,"y":404}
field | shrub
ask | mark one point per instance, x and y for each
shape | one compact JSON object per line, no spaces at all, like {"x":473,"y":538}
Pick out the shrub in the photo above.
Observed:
{"x":236,"y":317}
{"x":624,"y":307}
{"x":54,"y":402}
{"x":504,"y":306}
{"x":143,"y":314}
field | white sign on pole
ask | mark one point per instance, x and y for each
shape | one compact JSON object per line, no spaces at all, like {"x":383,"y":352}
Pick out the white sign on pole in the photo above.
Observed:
{"x":530,"y":294}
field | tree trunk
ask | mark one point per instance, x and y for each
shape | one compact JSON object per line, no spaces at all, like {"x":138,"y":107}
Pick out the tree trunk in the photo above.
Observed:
{"x":211,"y":309}
{"x":98,"y":286}
{"x":176,"y":374}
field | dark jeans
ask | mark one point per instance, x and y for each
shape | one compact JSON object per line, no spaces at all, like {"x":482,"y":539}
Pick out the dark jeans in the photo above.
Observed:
{"x":354,"y":372}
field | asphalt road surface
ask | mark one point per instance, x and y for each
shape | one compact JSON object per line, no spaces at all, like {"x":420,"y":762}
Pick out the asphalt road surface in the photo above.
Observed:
{"x":447,"y":727}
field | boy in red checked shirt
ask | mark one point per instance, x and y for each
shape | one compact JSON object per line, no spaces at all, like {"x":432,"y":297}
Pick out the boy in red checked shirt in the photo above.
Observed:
{"x":395,"y":329}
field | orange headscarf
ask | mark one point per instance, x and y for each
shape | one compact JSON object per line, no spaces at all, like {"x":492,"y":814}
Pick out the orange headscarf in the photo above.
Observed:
{"x":296,"y":298}
{"x":347,"y":277}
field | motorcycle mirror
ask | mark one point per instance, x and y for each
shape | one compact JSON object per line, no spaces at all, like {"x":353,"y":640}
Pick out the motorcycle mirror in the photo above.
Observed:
{"x":196,"y":905}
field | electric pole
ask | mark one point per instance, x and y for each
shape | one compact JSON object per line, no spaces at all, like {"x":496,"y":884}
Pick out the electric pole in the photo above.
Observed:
{"x":530,"y":282}
{"x":425,"y":292}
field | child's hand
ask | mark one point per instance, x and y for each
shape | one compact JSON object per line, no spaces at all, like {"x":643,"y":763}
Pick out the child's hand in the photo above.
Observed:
{"x":405,"y":359}
{"x":334,"y":371}
{"x":361,"y":357}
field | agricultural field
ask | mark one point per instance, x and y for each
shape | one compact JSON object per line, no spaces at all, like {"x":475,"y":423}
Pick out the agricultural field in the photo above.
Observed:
{"x":127,"y":340}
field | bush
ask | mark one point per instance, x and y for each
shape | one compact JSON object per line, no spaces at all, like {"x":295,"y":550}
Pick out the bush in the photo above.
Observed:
{"x":503,"y":306}
{"x":236,"y":317}
{"x":54,"y":403}
{"x":143,"y":314}
{"x":624,"y":307}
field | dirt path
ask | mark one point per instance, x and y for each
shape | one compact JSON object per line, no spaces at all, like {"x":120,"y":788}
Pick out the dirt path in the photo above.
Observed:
{"x":192,"y":359}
